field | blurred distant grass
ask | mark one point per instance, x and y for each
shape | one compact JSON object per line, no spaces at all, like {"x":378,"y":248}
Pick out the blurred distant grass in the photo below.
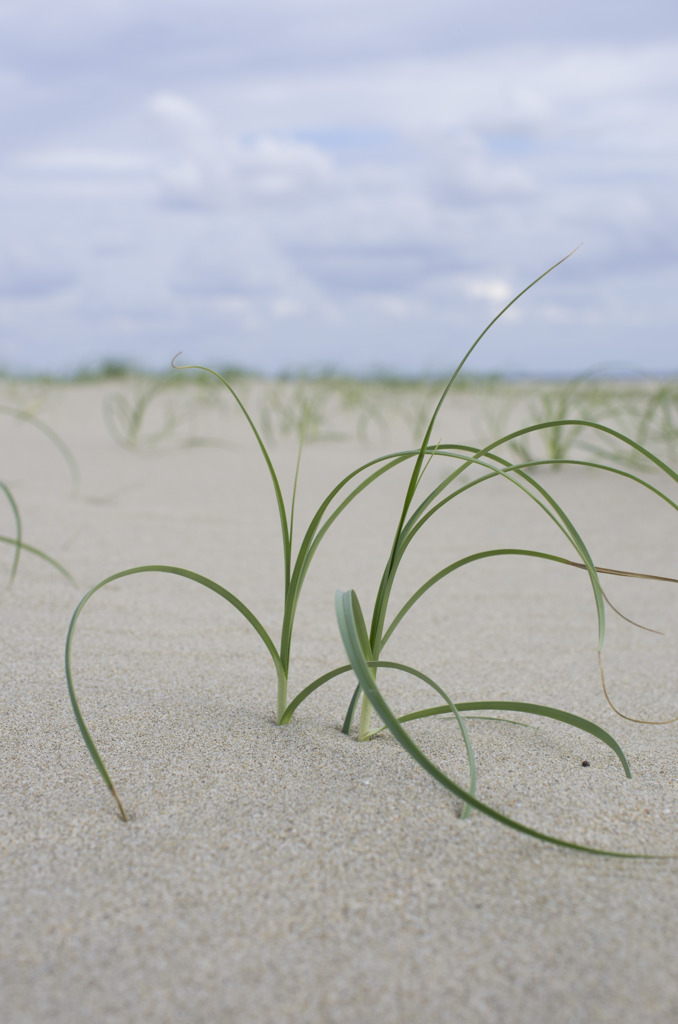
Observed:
{"x":644,"y":409}
{"x":156,"y":412}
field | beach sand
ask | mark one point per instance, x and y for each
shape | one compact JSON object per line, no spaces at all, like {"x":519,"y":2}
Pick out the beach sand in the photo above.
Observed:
{"x":293,"y":874}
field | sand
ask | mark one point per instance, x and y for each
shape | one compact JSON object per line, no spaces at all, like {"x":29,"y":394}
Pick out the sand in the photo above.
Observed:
{"x":293,"y":874}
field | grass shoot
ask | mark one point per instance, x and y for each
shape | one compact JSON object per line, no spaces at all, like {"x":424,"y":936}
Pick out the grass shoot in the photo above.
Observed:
{"x":466,"y":467}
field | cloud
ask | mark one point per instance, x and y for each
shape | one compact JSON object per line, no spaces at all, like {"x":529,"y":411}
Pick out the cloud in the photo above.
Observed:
{"x":237,"y":267}
{"x":204,"y":167}
{"x":83,"y":163}
{"x":180,"y":115}
{"x":370,"y":269}
{"x":354,"y":167}
{"x":29,"y":274}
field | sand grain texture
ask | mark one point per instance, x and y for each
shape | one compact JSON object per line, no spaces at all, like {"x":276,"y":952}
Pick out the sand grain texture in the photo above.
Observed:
{"x":291,"y":874}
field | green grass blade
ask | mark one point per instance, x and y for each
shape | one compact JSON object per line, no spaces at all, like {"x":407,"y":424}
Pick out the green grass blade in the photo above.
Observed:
{"x":16,"y":541}
{"x":452,"y":707}
{"x":317,"y":530}
{"x":603,"y":467}
{"x":302,"y":437}
{"x":601,"y":428}
{"x":416,"y":471}
{"x":542,"y":710}
{"x":58,"y":442}
{"x":350,"y":711}
{"x":308,"y":690}
{"x":40,"y":554}
{"x":347,"y":607}
{"x":176,"y":571}
{"x":477,"y":457}
{"x":527,"y":484}
{"x":362,"y":637}
{"x":467,"y":560}
{"x":282,"y":513}
{"x":522,"y":480}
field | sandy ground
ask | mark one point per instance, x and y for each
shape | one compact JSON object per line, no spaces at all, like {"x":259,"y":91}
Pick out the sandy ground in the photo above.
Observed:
{"x":293,"y":874}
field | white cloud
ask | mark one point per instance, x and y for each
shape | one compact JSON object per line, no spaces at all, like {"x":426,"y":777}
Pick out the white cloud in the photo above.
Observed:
{"x":27,"y":273}
{"x":489,"y":289}
{"x":236,"y":264}
{"x":367,"y":168}
{"x":181,"y":116}
{"x":85,"y":163}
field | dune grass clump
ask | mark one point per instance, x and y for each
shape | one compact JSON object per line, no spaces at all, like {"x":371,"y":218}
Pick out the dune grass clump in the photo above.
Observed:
{"x":642,"y":409}
{"x":300,"y":408}
{"x":157,"y":414}
{"x":467,"y":467}
{"x":325,"y":407}
{"x":649,"y":412}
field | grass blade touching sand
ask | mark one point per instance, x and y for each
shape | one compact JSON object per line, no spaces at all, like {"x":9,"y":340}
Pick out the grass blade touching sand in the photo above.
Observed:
{"x":365,"y":646}
{"x":349,"y":618}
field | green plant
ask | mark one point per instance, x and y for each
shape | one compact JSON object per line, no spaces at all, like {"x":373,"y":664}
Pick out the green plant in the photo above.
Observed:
{"x":555,"y":405}
{"x":413,"y":401}
{"x":364,"y":648}
{"x":297,"y":408}
{"x":67,"y":455}
{"x":324,"y":408}
{"x":17,"y":540}
{"x":649,"y":413}
{"x":18,"y":544}
{"x":157,"y":414}
{"x":645,"y":412}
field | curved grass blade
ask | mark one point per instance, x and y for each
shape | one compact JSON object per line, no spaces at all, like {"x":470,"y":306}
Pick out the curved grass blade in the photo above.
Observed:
{"x":417,"y":469}
{"x":624,"y":438}
{"x":629,"y":718}
{"x":317,"y":530}
{"x":40,"y":554}
{"x":56,"y":439}
{"x":462,"y":707}
{"x":451,"y":706}
{"x":125,"y":419}
{"x":492,"y":553}
{"x":308,"y":690}
{"x":314,"y":534}
{"x":348,"y":608}
{"x":16,"y":541}
{"x":542,"y":710}
{"x":556,"y":513}
{"x":282,"y":512}
{"x":421,"y":516}
{"x":506,"y":469}
{"x":176,"y":571}
{"x":350,"y":711}
{"x":474,"y":456}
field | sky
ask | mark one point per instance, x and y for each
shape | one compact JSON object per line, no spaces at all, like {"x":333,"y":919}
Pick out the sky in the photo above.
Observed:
{"x":348,"y":185}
